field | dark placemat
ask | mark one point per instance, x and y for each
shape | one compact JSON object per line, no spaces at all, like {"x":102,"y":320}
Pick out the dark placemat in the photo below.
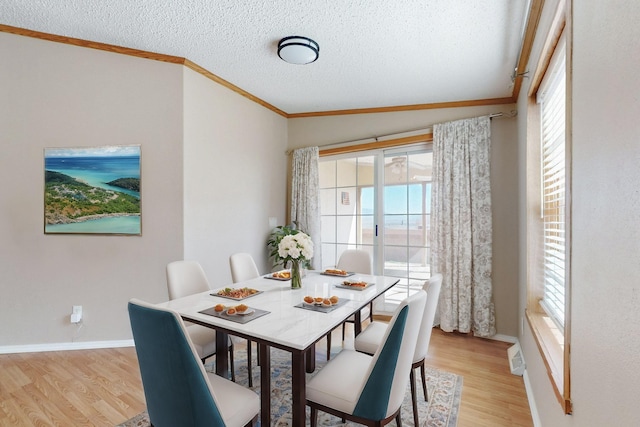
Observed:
{"x":282,"y":279}
{"x":349,"y":273}
{"x":321,"y":308}
{"x":246,"y":318}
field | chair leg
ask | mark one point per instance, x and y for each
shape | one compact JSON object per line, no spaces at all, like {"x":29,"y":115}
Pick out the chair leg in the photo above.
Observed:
{"x":249,"y":371}
{"x":371,"y":311}
{"x":329,"y":345}
{"x":232,"y":364}
{"x":424,"y":382}
{"x":314,"y":416}
{"x":414,"y":403}
{"x":399,"y":419}
{"x":343,"y":328}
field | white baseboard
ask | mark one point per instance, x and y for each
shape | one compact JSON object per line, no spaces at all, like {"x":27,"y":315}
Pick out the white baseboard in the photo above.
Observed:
{"x":64,"y":346}
{"x":504,"y":338}
{"x":532,"y":401}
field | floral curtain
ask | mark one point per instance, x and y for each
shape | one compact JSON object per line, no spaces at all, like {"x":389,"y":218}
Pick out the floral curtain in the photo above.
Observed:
{"x":461,"y":246}
{"x":305,"y":197}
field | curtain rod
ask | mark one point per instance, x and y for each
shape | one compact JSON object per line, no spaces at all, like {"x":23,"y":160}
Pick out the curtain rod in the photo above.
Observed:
{"x":375,"y":138}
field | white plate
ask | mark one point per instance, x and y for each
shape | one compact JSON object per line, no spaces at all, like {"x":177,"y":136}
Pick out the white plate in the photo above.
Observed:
{"x":271,"y":276}
{"x":246,"y":313}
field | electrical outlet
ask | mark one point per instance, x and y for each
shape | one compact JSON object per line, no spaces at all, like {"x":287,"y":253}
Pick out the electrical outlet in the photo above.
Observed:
{"x":76,"y":314}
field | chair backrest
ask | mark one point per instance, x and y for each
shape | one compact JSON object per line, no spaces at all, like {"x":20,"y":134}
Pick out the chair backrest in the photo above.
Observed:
{"x":386,"y":384}
{"x":355,"y":260}
{"x":242,"y":267}
{"x":176,"y":387}
{"x":185,"y":278}
{"x":432,"y":288}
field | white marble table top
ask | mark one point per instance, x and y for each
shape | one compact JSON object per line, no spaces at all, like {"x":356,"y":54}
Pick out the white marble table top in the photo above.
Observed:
{"x":286,"y":326}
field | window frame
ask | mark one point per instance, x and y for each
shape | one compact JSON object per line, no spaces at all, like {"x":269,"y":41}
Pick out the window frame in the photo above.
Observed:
{"x":553,"y":342}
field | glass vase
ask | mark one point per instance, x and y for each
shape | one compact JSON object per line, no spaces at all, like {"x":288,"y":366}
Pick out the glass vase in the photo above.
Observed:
{"x":296,"y":279}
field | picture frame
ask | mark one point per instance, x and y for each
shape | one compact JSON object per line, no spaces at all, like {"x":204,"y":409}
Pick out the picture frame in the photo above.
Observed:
{"x":93,"y":190}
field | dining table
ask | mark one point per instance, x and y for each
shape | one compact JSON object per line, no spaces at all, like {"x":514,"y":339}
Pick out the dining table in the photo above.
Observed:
{"x":278,"y":317}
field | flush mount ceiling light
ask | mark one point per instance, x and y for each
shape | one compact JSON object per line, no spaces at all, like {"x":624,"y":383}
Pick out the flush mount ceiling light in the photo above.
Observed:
{"x":298,"y":50}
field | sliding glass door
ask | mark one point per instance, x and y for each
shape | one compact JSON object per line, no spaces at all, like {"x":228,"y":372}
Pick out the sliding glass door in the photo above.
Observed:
{"x":347,"y":206}
{"x":406,"y":210}
{"x":380,"y":202}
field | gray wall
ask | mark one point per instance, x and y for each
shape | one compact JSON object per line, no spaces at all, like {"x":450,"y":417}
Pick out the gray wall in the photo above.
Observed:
{"x":213,"y":172}
{"x":56,"y":95}
{"x":235,"y":176}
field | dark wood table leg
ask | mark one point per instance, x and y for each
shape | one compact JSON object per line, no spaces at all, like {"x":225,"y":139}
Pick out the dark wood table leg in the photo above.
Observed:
{"x":310,"y":359}
{"x":222,"y":357}
{"x":357,"y":325}
{"x":265,"y":384}
{"x":298,"y":387}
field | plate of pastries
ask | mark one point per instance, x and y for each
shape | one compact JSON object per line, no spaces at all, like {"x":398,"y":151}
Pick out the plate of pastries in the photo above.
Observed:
{"x":280,"y":275}
{"x":237,"y":310}
{"x":236,"y":293}
{"x":320,"y":301}
{"x":336,"y":272}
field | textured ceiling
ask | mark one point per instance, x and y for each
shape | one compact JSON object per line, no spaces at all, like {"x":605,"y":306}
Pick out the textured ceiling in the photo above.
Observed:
{"x":373,"y":53}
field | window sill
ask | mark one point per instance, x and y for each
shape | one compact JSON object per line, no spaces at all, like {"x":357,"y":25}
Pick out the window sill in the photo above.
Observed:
{"x":550,"y":342}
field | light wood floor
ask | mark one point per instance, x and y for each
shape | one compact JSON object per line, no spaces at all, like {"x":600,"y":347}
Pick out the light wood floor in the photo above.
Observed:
{"x":103,"y":388}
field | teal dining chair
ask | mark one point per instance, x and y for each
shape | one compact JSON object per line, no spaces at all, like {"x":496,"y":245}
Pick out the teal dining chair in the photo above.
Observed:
{"x":177,"y":389}
{"x":368,"y":389}
{"x":372,"y":337}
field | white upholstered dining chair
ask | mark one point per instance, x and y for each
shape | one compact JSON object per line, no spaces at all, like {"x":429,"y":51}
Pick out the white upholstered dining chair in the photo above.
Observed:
{"x":370,"y":389}
{"x":243,"y":267}
{"x":371,"y":338}
{"x":186,"y":278}
{"x":355,"y":261}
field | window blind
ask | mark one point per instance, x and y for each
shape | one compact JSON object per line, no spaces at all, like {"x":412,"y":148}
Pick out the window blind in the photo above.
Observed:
{"x":551,"y":96}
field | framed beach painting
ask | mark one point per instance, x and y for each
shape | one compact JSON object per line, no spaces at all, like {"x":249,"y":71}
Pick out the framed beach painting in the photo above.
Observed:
{"x":92,"y":190}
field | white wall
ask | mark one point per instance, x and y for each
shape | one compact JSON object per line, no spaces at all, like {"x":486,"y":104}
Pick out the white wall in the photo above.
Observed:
{"x":605,"y":368}
{"x":57,"y":95}
{"x":504,"y":180}
{"x":235,"y":170}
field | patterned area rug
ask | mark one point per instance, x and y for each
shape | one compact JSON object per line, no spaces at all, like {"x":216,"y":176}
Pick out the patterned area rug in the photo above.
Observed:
{"x":441,"y":410}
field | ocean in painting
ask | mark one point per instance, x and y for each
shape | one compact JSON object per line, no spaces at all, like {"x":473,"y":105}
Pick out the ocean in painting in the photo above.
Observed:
{"x":97,"y":171}
{"x":110,"y":225}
